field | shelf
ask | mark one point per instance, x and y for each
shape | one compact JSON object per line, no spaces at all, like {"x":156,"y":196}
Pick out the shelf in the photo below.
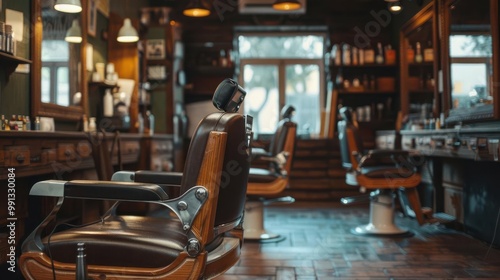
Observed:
{"x":368,"y":92}
{"x":421,"y":91}
{"x":421,"y":64}
{"x":11,"y":62}
{"x":211,"y":70}
{"x":366,"y":66}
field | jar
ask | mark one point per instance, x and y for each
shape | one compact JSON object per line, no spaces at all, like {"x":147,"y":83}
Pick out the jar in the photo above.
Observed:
{"x":9,"y":39}
{"x":2,"y":36}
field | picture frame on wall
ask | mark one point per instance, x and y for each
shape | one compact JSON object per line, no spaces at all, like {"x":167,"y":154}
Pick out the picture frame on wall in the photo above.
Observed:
{"x":92,"y":18}
{"x":155,"y":49}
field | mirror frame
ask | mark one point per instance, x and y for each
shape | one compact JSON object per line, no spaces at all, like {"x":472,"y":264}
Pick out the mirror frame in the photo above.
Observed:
{"x":429,"y":12}
{"x":445,"y":57}
{"x":39,"y":108}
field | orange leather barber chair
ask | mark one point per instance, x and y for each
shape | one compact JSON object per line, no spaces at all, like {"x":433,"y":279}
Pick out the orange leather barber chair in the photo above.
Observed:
{"x":265,"y":185}
{"x":382,"y":173}
{"x":201,"y":238}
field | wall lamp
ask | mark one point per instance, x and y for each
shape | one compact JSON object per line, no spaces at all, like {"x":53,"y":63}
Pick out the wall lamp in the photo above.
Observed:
{"x":196,"y":8}
{"x":68,"y":6}
{"x":287,"y":5}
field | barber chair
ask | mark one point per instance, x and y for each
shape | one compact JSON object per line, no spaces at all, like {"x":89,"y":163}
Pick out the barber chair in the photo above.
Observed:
{"x":200,"y":240}
{"x":266,"y":184}
{"x":382,"y":173}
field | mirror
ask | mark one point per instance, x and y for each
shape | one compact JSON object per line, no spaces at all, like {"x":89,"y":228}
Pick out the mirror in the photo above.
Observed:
{"x":469,"y":58}
{"x":419,"y":96}
{"x":57,"y":87}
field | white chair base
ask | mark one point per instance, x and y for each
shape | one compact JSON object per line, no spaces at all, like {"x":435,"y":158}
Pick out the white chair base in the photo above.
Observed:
{"x":381,"y":217}
{"x":253,"y":223}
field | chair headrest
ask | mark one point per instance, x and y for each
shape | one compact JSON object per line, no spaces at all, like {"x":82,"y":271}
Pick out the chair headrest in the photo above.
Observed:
{"x":288,"y":112}
{"x":346,"y":113}
{"x":228,"y":96}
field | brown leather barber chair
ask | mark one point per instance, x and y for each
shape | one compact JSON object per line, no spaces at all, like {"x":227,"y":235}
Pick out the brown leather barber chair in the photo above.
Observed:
{"x":265,"y":185}
{"x":202,"y":239}
{"x":381,"y":172}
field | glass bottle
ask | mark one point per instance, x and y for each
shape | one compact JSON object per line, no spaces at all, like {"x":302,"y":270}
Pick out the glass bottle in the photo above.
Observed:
{"x":2,"y":123}
{"x":339,"y":79}
{"x":418,"y":53}
{"x":346,"y":54}
{"x":379,"y":58}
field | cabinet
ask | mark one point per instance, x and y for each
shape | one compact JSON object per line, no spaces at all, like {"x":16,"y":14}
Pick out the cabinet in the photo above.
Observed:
{"x":208,"y":61}
{"x":420,"y":98}
{"x":372,"y":93}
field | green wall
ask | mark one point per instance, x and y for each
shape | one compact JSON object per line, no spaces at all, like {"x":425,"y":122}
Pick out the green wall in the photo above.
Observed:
{"x":15,"y":89}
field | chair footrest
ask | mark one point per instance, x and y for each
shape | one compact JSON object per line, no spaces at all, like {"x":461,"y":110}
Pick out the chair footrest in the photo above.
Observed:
{"x":284,"y":199}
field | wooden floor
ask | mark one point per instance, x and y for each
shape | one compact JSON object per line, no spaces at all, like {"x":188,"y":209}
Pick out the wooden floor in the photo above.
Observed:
{"x":318,"y":245}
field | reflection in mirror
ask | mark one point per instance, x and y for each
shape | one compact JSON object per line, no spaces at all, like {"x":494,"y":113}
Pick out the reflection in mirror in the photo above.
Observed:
{"x":470,"y":57}
{"x":60,"y":80}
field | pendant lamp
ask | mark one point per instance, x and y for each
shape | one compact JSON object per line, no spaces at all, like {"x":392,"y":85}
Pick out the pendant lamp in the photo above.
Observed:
{"x":196,"y":8}
{"x":127,"y":33}
{"x":287,"y":5}
{"x":68,"y":6}
{"x":74,"y":33}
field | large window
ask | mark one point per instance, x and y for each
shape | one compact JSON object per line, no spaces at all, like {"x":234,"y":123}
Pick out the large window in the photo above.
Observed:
{"x":55,"y":72}
{"x":283,"y":70}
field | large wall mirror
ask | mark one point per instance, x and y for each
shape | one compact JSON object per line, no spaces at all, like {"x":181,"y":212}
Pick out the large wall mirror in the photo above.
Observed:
{"x":469,"y":59}
{"x":58,"y":86}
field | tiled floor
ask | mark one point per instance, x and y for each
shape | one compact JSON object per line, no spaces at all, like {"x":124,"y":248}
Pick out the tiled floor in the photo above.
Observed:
{"x":318,"y":245}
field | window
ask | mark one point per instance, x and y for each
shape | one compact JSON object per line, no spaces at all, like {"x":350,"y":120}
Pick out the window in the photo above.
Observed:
{"x":471,"y":69}
{"x":282,"y":70}
{"x":55,"y":72}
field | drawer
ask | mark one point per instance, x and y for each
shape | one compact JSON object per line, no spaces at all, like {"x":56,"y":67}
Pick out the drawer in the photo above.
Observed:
{"x":17,"y":156}
{"x":161,"y":146}
{"x":130,"y":147}
{"x":84,"y":149}
{"x":2,"y":158}
{"x":66,"y":152}
{"x":48,"y":156}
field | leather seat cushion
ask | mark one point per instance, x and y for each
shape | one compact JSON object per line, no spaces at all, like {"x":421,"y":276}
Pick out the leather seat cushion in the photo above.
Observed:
{"x":261,"y":175}
{"x":386,"y":171}
{"x":127,"y":241}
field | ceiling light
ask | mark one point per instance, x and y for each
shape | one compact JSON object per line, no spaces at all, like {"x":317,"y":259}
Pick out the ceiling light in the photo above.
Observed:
{"x":127,"y":33}
{"x":287,"y":5}
{"x":395,"y":7}
{"x":74,"y":33}
{"x":68,"y":6}
{"x":195,"y":8}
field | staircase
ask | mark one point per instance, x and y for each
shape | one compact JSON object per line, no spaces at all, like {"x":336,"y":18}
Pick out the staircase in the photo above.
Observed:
{"x":317,"y":173}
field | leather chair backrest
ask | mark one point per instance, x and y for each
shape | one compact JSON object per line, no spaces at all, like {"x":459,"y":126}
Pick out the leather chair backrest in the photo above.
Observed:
{"x":345,"y":124}
{"x":234,"y":177}
{"x":279,"y":139}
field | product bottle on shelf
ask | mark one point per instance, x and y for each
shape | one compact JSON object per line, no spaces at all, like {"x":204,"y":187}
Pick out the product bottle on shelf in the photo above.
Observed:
{"x":428,"y":52}
{"x":418,"y":53}
{"x":379,"y":58}
{"x":346,"y":54}
{"x":339,"y":79}
{"x":108,"y":104}
{"x":410,"y":54}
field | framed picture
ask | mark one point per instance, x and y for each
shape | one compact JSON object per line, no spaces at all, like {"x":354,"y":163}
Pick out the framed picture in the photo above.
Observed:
{"x":155,"y":49}
{"x":92,"y":17}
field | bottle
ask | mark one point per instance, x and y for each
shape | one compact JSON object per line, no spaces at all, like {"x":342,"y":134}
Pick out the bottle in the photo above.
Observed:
{"x":339,"y":79}
{"x":27,"y":122}
{"x":369,"y":56}
{"x":410,"y":54}
{"x":418,"y":53}
{"x":2,"y":123}
{"x":85,"y":123}
{"x":390,"y":55}
{"x":336,"y":55}
{"x":361,"y":53}
{"x":222,"y":58}
{"x":354,"y":56}
{"x":37,"y":123}
{"x":151,"y":121}
{"x":379,"y":58}
{"x":429,"y":52}
{"x":13,"y":123}
{"x":92,"y":125}
{"x":346,"y":54}
{"x":2,"y":36}
{"x":108,"y":104}
{"x":8,"y":39}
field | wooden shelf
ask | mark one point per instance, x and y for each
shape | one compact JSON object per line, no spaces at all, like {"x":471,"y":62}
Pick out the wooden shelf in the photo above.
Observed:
{"x":11,"y":62}
{"x":372,"y":65}
{"x":211,"y":70}
{"x":368,"y":92}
